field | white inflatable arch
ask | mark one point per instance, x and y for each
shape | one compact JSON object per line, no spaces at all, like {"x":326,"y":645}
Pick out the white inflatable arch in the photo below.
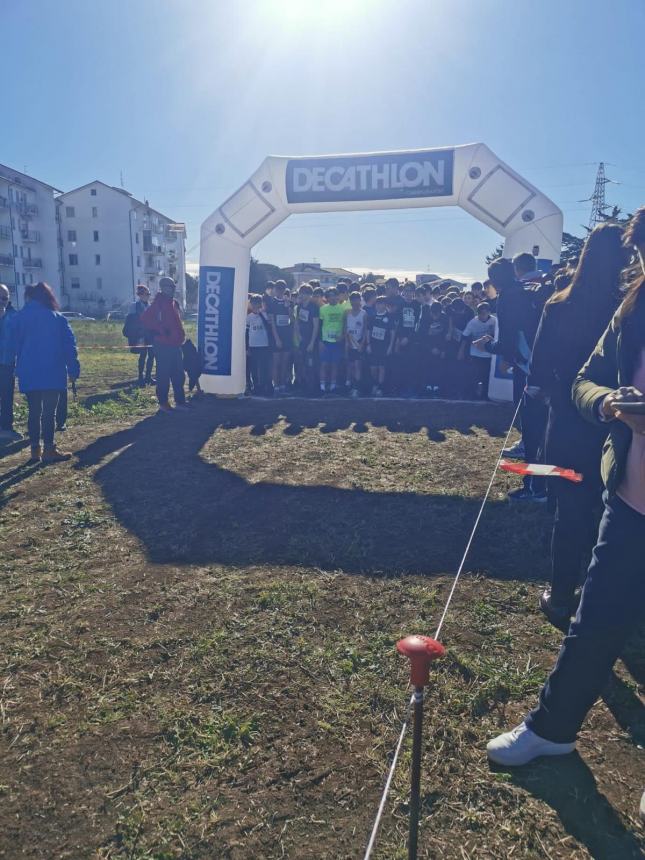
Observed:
{"x":470,"y":176}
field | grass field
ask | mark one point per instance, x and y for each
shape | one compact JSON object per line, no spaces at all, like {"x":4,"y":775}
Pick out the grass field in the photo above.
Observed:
{"x":198,"y":619}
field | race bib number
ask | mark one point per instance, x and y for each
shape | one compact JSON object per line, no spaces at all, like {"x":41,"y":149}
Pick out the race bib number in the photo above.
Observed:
{"x":408,"y":318}
{"x":257,"y":327}
{"x":378,"y":333}
{"x":282,"y":320}
{"x":303,"y":316}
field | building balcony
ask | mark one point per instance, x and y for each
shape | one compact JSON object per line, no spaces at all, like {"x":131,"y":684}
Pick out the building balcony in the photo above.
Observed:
{"x":32,"y":263}
{"x":6,"y":260}
{"x":30,"y":235}
{"x":5,"y":232}
{"x":152,"y":270}
{"x":27,"y":210}
{"x":153,"y":249}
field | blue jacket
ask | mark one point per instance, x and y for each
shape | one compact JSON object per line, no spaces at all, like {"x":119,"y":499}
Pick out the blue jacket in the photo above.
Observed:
{"x":4,"y":334}
{"x":44,"y":348}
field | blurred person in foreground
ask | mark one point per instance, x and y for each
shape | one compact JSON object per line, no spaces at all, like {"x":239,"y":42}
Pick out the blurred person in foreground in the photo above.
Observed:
{"x":7,"y":371}
{"x":44,"y":348}
{"x":162,"y":318}
{"x":573,"y":320}
{"x":612,"y":605}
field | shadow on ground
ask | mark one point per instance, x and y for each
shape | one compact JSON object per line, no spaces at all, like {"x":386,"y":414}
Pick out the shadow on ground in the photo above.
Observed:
{"x":569,"y":788}
{"x":186,"y":510}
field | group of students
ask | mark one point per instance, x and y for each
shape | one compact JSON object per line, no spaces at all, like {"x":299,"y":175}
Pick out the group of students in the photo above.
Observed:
{"x":38,"y":348}
{"x":398,"y":340}
{"x":580,"y":374}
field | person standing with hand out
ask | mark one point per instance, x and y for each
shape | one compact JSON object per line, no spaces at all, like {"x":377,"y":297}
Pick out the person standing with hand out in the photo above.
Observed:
{"x":163,"y":319}
{"x":609,"y":390}
{"x":43,"y":346}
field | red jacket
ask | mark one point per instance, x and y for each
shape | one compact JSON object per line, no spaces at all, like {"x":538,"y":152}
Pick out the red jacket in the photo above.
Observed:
{"x":162,"y":317}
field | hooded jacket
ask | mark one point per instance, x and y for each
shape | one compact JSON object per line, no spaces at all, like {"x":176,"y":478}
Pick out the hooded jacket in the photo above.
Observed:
{"x":43,"y":346}
{"x":162,"y":318}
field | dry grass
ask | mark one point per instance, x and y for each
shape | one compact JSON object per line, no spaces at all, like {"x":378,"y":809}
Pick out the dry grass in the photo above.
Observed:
{"x":197,"y":642}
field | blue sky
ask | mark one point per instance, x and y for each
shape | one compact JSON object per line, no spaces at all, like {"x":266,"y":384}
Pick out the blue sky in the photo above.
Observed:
{"x":186,"y":97}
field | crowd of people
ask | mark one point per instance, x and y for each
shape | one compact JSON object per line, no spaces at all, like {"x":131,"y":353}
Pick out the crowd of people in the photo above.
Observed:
{"x":394,"y":339}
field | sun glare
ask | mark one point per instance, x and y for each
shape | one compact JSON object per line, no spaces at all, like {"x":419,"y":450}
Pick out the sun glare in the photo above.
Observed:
{"x":306,"y":14}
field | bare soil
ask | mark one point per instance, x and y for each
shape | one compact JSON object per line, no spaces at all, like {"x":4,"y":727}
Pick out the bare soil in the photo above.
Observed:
{"x":198,"y":616}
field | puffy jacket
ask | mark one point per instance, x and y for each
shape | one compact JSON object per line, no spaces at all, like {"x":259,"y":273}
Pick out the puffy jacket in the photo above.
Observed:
{"x":44,"y":348}
{"x":611,"y":365}
{"x":4,"y":336}
{"x":162,"y":318}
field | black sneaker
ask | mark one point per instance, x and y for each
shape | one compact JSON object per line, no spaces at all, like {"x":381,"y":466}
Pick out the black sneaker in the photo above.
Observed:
{"x":559,"y":616}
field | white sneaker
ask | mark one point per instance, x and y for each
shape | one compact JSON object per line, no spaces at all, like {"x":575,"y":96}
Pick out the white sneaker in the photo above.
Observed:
{"x":521,"y":745}
{"x":515,"y":452}
{"x":354,"y":392}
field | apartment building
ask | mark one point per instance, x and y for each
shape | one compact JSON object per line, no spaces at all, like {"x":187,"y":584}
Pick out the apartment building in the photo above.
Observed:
{"x":29,"y":250}
{"x":111,"y":242}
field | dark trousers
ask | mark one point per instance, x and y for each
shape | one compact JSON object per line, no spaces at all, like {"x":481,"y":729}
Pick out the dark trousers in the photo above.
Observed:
{"x":478,"y":371}
{"x":612,"y":607}
{"x":170,"y":369}
{"x":7,"y":387}
{"x":41,"y":417}
{"x":260,"y":370}
{"x":146,"y":360}
{"x":61,"y":410}
{"x":535,"y":415}
{"x":574,"y":531}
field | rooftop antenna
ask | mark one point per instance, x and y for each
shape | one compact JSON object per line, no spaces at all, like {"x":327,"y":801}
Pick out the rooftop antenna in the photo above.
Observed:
{"x":122,"y":185}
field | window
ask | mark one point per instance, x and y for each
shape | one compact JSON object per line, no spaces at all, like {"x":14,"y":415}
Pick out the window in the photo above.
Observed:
{"x":69,"y":212}
{"x":97,"y":259}
{"x":95,"y":212}
{"x":99,"y":283}
{"x":96,"y":235}
{"x":76,"y":284}
{"x":31,"y":277}
{"x":136,"y":238}
{"x":15,"y":250}
{"x":71,"y":235}
{"x":73,"y":259}
{"x":93,"y":192}
{"x":138,"y":262}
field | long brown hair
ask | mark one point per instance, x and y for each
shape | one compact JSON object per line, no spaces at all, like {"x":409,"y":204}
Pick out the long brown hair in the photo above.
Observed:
{"x":43,"y":294}
{"x":634,"y":238}
{"x":595,"y":282}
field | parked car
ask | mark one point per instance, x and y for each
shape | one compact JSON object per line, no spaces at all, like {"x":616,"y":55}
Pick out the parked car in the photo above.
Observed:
{"x":76,"y":315}
{"x":116,"y":315}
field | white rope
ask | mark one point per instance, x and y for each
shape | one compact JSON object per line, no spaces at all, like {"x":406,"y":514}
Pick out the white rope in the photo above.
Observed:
{"x":388,"y":783}
{"x":479,"y":516}
{"x":406,"y":722}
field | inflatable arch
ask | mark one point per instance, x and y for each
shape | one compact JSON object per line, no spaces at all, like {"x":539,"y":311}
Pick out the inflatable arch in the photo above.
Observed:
{"x":470,"y":176}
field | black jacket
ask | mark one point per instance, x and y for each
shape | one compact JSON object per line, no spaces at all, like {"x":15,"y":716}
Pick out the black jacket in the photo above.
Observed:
{"x":566,"y":337}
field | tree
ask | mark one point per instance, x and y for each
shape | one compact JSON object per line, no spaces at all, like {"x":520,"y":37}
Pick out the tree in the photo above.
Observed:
{"x":192,"y":289}
{"x":260,"y":273}
{"x":497,"y":253}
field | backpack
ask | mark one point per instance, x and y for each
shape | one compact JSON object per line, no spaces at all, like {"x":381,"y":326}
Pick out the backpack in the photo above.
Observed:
{"x":132,"y":329}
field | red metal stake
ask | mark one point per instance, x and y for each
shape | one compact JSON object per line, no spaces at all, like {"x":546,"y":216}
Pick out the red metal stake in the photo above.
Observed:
{"x":421,"y":650}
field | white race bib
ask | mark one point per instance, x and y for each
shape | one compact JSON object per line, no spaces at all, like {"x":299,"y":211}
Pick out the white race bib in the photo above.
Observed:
{"x":282,"y":320}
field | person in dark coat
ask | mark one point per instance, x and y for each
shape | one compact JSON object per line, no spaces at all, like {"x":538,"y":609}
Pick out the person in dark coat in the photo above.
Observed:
{"x":612,"y":606}
{"x":43,"y":345}
{"x":571,"y":325}
{"x":7,"y":371}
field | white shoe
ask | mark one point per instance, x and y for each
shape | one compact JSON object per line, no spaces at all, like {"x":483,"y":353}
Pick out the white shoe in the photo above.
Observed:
{"x":515,"y":452}
{"x":353,"y":392}
{"x":521,"y":745}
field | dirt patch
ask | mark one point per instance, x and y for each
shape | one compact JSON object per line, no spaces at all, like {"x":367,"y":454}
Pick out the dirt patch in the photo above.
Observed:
{"x":197,"y":633}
